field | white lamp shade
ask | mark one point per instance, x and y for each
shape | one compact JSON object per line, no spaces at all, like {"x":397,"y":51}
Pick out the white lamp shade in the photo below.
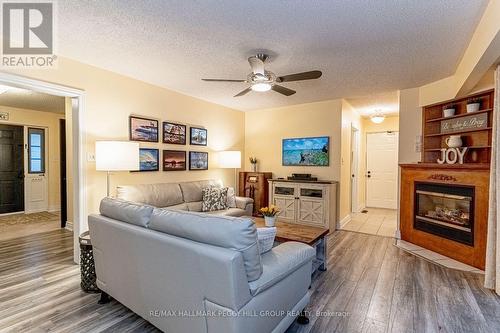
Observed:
{"x":230,"y":159}
{"x":116,"y":156}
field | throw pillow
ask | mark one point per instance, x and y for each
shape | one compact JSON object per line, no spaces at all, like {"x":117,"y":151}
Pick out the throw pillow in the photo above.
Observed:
{"x":265,"y":236}
{"x":214,"y":198}
{"x":231,"y":197}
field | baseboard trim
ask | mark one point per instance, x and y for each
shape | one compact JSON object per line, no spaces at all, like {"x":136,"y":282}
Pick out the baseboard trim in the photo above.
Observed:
{"x":69,"y":226}
{"x":344,"y":221}
{"x":54,"y":209}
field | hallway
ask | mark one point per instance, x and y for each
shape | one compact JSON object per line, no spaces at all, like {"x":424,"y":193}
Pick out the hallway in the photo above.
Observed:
{"x":377,"y":221}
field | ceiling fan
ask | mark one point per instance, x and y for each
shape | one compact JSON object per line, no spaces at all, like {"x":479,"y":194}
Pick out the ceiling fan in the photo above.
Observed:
{"x":263,"y":80}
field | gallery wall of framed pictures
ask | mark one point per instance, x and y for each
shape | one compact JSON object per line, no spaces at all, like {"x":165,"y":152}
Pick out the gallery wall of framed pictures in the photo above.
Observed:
{"x":148,"y":131}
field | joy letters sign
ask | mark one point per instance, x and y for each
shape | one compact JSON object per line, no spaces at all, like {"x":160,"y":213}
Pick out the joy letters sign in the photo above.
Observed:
{"x":464,"y":123}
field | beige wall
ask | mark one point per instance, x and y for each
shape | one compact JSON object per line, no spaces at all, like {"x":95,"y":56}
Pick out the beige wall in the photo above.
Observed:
{"x":110,"y":99}
{"x":410,"y":125}
{"x":50,"y":121}
{"x":264,"y":130}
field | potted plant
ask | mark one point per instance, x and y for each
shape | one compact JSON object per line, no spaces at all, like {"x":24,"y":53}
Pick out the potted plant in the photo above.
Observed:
{"x":253,"y":161}
{"x":473,"y":104}
{"x":449,"y":110}
{"x":269,"y":215}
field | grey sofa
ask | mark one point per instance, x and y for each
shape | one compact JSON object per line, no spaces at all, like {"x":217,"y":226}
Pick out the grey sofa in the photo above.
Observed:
{"x":181,"y":196}
{"x":191,"y":272}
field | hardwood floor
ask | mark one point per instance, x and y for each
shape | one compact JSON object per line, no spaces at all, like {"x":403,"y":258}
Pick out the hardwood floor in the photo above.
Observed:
{"x":370,"y":286}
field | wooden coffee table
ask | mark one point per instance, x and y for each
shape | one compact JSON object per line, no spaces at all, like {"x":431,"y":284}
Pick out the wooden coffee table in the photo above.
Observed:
{"x":313,"y":236}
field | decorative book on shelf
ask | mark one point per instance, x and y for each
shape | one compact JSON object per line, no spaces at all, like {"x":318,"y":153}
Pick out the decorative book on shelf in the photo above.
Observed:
{"x":474,"y":128}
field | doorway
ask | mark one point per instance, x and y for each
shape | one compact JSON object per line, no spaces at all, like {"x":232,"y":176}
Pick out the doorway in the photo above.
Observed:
{"x":354,"y":169}
{"x":11,"y":169}
{"x":382,"y":170}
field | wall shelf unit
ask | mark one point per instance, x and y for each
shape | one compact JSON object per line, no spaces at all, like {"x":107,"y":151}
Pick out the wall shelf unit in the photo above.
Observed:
{"x":478,"y":140}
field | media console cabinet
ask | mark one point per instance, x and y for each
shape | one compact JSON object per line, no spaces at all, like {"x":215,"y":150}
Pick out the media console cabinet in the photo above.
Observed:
{"x":311,"y":203}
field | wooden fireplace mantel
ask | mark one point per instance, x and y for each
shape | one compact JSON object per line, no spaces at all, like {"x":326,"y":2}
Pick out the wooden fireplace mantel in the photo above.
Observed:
{"x":476,"y":175}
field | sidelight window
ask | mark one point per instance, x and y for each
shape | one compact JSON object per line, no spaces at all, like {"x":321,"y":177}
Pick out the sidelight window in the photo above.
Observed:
{"x":36,"y":150}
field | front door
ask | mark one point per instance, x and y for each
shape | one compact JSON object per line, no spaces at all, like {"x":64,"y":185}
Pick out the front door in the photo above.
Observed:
{"x":11,"y":169}
{"x":382,"y":170}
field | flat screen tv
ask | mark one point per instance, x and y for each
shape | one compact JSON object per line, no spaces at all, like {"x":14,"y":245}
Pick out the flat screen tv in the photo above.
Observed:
{"x":306,"y":151}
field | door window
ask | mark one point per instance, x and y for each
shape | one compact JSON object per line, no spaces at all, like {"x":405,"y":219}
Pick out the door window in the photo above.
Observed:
{"x":36,"y":150}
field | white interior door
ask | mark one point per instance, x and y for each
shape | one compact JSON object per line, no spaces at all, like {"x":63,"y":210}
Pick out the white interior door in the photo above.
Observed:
{"x":35,"y":177}
{"x":382,"y":169}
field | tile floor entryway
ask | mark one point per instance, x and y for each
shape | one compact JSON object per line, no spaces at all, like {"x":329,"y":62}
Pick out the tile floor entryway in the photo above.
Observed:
{"x":377,"y":221}
{"x":19,"y":225}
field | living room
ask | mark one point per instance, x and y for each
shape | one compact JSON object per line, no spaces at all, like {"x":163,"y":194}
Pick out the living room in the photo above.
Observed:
{"x":142,"y":86}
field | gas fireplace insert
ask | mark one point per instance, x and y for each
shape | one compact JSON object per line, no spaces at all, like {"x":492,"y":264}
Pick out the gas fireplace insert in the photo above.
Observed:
{"x":445,"y":210}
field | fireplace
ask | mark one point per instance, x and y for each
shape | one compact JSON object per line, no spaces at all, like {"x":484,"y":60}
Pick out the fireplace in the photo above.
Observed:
{"x":445,"y":210}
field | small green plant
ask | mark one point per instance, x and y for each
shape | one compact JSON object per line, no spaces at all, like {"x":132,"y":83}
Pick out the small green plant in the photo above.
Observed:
{"x":474,"y":100}
{"x":253,"y":160}
{"x":449,"y":106}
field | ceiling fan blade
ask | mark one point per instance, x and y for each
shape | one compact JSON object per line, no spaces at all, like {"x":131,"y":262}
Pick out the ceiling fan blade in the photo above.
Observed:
{"x":222,"y":80}
{"x":257,"y":65}
{"x":300,"y":76}
{"x":244,"y":92}
{"x":283,"y":90}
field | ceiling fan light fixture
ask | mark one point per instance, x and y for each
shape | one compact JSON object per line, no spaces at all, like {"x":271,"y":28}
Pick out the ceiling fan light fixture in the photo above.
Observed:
{"x":261,"y":87}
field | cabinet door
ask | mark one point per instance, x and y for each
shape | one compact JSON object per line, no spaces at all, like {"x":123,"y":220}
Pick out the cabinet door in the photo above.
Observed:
{"x":287,"y":207}
{"x":311,"y":211}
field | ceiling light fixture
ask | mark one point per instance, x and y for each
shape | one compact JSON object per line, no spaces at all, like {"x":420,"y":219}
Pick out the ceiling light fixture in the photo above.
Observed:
{"x":377,"y":117}
{"x":261,"y":87}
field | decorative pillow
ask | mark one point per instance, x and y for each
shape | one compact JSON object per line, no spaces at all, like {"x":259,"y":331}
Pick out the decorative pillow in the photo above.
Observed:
{"x":265,"y":237}
{"x":214,"y":198}
{"x":231,"y":197}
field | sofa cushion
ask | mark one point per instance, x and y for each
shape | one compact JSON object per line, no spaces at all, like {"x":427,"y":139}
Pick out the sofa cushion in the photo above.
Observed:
{"x":158,"y":195}
{"x":266,"y":236}
{"x":182,"y":206}
{"x":235,"y":212}
{"x":214,"y":198}
{"x":194,"y":206}
{"x":191,"y":191}
{"x":126,"y":211}
{"x":280,"y":262}
{"x":239,"y":234}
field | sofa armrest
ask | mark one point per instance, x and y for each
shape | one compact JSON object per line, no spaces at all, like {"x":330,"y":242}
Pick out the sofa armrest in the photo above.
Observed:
{"x":280,"y":262}
{"x":245,"y":204}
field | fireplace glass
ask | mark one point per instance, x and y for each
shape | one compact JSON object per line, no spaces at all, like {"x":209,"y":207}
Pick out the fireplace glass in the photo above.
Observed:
{"x":445,"y":210}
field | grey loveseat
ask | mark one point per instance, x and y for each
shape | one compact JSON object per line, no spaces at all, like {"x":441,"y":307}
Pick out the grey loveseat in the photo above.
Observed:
{"x":181,"y":196}
{"x":197,"y":273}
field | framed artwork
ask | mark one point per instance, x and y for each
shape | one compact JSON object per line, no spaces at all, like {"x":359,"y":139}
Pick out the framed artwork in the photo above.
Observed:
{"x":174,"y":134}
{"x":198,"y":136}
{"x":198,"y":160}
{"x":149,"y":159}
{"x":306,"y":151}
{"x":143,"y":129}
{"x":174,"y":160}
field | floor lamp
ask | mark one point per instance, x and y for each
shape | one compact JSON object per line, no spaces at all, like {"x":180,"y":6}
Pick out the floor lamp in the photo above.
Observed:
{"x":231,"y":159}
{"x":116,"y":156}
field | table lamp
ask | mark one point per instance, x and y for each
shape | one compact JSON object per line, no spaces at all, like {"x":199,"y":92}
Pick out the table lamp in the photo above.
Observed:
{"x":116,"y":156}
{"x":230,"y":159}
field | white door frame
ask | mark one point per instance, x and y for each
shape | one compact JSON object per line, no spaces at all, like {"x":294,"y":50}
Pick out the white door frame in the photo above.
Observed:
{"x":366,"y":163}
{"x":354,"y":169}
{"x":79,"y":150}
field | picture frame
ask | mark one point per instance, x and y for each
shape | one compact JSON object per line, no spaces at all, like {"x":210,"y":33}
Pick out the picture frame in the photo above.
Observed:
{"x":198,"y":160}
{"x":309,"y":151}
{"x":174,"y":160}
{"x":149,"y":159}
{"x":143,"y":129}
{"x":198,"y":136}
{"x":173,"y":133}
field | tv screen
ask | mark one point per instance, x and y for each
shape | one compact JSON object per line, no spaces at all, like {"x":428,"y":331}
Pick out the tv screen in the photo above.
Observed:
{"x":306,"y":151}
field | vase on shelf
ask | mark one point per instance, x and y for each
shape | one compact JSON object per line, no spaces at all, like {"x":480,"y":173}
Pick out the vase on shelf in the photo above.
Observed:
{"x":473,"y":107}
{"x":270,"y":221}
{"x":254,"y":167}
